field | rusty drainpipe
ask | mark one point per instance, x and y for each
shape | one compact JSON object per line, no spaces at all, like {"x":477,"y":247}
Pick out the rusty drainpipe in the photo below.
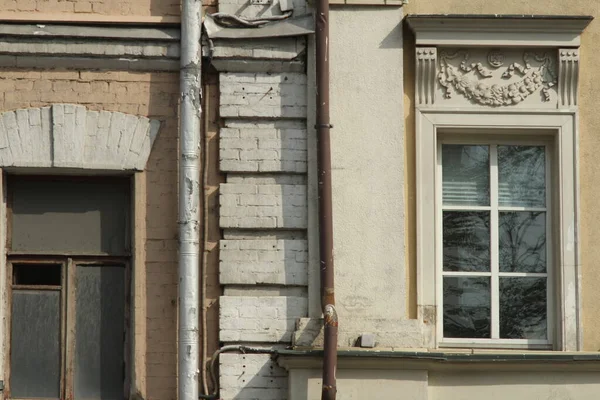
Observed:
{"x":325,"y":202}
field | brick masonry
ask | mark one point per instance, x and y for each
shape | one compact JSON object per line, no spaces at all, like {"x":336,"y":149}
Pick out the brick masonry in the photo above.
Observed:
{"x":91,"y":7}
{"x":256,"y":262}
{"x":252,"y":376}
{"x":260,"y":319}
{"x":154,"y":96}
{"x":263,"y":205}
{"x":281,"y":95}
{"x":287,"y":49}
{"x":263,"y":147}
{"x":67,"y":135}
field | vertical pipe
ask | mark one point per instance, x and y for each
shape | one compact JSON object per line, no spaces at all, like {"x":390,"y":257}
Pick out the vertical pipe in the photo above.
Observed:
{"x":325,"y":202}
{"x":189,"y":198}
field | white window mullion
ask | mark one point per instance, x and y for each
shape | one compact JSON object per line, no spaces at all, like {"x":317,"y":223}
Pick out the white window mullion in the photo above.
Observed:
{"x":550,"y":305}
{"x":439,"y":253}
{"x":495,"y":295}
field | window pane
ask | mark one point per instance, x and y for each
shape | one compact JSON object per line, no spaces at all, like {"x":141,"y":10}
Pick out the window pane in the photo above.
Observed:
{"x":522,"y":241}
{"x":467,"y":307}
{"x":465,"y":175}
{"x":70,"y":216}
{"x":521,"y":176}
{"x":466,"y":237}
{"x":100,"y":327}
{"x":35,"y":344}
{"x":523,"y":308}
{"x":37,"y":274}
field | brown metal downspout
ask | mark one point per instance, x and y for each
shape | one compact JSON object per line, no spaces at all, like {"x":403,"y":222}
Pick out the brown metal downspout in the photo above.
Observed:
{"x":325,"y":202}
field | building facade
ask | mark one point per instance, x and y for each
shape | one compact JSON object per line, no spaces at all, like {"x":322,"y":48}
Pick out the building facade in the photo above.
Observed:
{"x":451,"y":281}
{"x":463,"y":169}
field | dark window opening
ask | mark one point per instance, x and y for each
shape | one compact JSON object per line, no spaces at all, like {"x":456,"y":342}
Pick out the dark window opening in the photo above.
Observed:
{"x":35,"y":274}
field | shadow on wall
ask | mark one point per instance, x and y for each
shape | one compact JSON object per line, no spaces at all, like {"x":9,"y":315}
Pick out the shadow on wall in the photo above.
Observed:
{"x":394,"y":39}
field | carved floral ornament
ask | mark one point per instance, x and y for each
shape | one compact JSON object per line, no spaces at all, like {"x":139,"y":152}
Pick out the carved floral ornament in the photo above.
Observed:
{"x":537,"y":73}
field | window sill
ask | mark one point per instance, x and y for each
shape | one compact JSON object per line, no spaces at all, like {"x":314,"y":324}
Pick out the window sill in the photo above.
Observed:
{"x":395,"y":3}
{"x":473,"y":359}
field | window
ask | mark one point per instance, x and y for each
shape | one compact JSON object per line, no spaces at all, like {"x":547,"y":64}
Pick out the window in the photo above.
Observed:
{"x":68,"y":274}
{"x":495,"y":263}
{"x":497,"y":223}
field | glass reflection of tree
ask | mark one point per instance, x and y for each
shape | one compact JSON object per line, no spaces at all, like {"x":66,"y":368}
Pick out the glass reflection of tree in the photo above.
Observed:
{"x":523,"y":308}
{"x":466,"y":240}
{"x":467,"y":307}
{"x":522,"y":173}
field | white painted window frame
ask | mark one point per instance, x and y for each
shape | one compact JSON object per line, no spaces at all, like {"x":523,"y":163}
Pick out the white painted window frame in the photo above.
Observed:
{"x":494,"y":274}
{"x":562,"y":127}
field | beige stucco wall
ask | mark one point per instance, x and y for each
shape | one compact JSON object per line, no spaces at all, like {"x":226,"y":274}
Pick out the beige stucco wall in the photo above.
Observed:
{"x":355,"y":384}
{"x":419,"y":384}
{"x":367,"y":161}
{"x":589,"y":141}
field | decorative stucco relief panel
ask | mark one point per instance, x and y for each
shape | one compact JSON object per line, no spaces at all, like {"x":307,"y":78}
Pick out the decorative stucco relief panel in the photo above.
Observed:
{"x":568,"y":77}
{"x":523,"y":78}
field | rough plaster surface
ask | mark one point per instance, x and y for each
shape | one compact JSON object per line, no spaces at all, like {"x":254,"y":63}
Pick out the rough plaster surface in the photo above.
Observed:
{"x":514,"y":385}
{"x":69,"y":136}
{"x":388,"y":333}
{"x":368,"y":163}
{"x":362,"y":384}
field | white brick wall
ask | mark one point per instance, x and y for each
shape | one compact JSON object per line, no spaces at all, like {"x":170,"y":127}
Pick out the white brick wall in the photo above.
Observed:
{"x":281,"y":95}
{"x":279,"y":49}
{"x":263,"y":206}
{"x":252,"y":262}
{"x":251,"y":377}
{"x":259,"y":319}
{"x":67,"y":135}
{"x":263,"y":148}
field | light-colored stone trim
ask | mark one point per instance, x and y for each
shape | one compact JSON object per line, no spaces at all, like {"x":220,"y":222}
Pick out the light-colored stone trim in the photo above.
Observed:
{"x":115,"y":32}
{"x":425,"y":79}
{"x":568,"y":82}
{"x":497,"y":30}
{"x":562,"y":126}
{"x":64,"y":46}
{"x":70,"y":136}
